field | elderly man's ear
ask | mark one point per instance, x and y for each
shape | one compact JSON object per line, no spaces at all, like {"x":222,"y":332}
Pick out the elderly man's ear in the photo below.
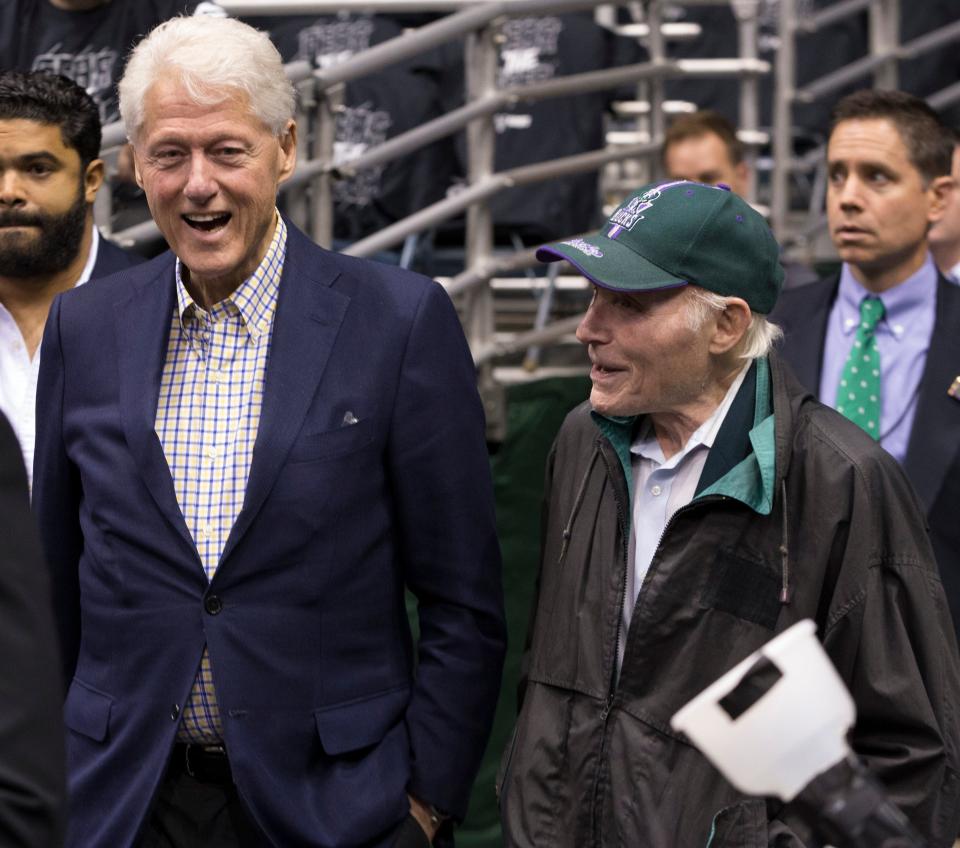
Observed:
{"x":732,"y":323}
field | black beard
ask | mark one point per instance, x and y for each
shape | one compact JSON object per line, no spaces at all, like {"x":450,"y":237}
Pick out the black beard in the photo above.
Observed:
{"x":55,"y":248}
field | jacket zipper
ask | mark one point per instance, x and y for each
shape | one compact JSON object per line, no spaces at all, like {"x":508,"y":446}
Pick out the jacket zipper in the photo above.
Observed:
{"x":612,"y":686}
{"x":612,"y":690}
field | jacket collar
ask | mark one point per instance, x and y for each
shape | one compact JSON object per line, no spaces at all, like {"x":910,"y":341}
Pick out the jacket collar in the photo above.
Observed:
{"x":742,"y":461}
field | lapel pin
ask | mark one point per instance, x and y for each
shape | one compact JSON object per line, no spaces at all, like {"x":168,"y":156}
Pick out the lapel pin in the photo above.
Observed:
{"x":954,"y":390}
{"x":349,"y":418}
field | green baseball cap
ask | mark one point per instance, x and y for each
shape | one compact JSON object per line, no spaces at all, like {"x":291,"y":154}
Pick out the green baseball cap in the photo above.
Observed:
{"x":675,"y":233}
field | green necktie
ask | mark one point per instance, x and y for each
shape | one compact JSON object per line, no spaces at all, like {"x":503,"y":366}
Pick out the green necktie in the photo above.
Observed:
{"x":858,"y":395}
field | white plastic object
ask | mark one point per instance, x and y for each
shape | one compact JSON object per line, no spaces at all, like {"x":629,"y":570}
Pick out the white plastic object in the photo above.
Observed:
{"x":793,"y":732}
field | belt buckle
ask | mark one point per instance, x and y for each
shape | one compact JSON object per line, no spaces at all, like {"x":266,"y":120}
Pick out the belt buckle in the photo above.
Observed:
{"x":186,"y":759}
{"x":206,"y":749}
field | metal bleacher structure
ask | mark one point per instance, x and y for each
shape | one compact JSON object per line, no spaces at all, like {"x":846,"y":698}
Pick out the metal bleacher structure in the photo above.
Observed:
{"x":518,"y":324}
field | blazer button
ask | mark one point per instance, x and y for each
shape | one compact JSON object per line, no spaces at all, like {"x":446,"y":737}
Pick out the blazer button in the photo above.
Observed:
{"x":213,"y":604}
{"x":174,"y":712}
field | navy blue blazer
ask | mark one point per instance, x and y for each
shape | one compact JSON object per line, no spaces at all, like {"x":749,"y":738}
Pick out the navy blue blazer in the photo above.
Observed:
{"x":330,"y":715}
{"x":932,"y":462}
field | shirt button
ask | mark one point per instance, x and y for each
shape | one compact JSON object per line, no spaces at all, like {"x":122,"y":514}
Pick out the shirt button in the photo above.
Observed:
{"x":174,"y":712}
{"x":211,"y":453}
{"x":655,"y":490}
{"x":213,"y":605}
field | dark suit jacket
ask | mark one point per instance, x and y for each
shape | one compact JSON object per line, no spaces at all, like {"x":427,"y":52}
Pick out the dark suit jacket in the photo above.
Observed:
{"x":933,"y":452}
{"x":111,"y":259}
{"x":31,"y":725}
{"x":326,"y":723}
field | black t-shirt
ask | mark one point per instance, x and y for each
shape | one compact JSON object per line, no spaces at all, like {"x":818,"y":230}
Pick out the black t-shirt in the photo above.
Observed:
{"x":376,"y":108}
{"x":817,"y":54}
{"x":89,"y":47}
{"x":935,"y":70}
{"x":536,"y":49}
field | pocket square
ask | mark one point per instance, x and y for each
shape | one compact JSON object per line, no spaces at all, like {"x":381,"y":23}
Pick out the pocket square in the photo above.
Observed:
{"x":954,"y":390}
{"x":348,"y":419}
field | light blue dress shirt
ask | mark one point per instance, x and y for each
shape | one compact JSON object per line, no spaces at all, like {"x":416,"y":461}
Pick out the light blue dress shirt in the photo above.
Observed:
{"x":660,"y":487}
{"x":903,"y":337}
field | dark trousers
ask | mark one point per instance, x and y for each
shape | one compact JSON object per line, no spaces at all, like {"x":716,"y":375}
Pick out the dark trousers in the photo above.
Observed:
{"x":198,"y":806}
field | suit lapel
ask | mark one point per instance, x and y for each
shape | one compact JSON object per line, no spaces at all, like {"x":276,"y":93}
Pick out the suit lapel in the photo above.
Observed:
{"x":805,"y":330}
{"x":143,"y":329}
{"x":935,"y":434}
{"x":308,"y":318}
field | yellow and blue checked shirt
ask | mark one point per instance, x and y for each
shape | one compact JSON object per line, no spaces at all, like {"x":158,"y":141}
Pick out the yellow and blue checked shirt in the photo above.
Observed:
{"x":211,"y":393}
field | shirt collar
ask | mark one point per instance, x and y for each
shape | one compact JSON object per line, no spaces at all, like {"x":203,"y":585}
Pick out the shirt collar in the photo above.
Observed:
{"x":905,"y":304}
{"x":647,"y":445}
{"x":91,"y":257}
{"x":954,"y":274}
{"x":255,"y":299}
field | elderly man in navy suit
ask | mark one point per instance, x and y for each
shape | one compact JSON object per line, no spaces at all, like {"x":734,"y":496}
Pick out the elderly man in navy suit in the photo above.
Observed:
{"x":879,"y":341}
{"x":50,"y":172}
{"x":253,"y":447}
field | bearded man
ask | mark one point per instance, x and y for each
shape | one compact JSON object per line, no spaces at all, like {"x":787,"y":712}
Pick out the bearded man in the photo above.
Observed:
{"x":49,"y":177}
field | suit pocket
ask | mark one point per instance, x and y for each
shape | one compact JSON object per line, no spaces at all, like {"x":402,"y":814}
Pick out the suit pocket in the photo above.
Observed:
{"x":358,"y":724}
{"x":331,"y":443}
{"x":87,"y":711}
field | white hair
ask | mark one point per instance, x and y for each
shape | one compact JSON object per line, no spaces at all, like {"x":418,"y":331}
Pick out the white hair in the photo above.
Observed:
{"x":214,"y":58}
{"x":760,"y":335}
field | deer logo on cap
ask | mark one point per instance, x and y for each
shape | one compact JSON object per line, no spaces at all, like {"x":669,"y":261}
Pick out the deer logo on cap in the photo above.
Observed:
{"x":627,"y":216}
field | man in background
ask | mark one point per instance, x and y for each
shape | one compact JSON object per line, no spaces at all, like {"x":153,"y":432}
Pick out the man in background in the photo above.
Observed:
{"x":879,"y":340}
{"x":49,"y":176}
{"x":704,"y":147}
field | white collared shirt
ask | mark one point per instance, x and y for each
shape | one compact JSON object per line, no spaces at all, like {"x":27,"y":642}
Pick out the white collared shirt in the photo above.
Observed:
{"x":19,"y":373}
{"x":953,"y":275}
{"x":660,"y":487}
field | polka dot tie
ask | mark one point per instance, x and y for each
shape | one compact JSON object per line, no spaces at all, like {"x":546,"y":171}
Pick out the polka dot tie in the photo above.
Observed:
{"x":858,"y":395}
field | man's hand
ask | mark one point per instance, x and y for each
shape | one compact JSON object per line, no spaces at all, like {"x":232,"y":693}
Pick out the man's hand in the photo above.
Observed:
{"x":421,"y":813}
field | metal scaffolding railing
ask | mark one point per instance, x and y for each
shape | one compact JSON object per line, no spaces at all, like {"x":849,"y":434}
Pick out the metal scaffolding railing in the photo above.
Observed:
{"x":879,"y":68}
{"x":309,"y":192}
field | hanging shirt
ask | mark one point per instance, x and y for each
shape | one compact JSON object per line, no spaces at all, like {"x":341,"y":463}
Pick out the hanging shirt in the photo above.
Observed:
{"x":89,"y":46}
{"x":903,"y":337}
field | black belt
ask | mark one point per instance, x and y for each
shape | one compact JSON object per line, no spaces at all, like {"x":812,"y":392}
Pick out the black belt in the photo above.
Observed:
{"x":206,"y":763}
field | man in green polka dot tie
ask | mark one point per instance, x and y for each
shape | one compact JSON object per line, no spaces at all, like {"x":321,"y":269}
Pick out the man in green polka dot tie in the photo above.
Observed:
{"x":858,"y":395}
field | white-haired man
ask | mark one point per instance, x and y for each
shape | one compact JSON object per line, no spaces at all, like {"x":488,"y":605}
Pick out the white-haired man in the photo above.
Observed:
{"x":700,"y":503}
{"x":282,"y":439}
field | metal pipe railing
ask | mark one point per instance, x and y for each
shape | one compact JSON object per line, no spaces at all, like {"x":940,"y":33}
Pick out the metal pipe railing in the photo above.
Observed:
{"x":884,"y":37}
{"x":748,"y":28}
{"x":450,"y":206}
{"x":831,"y":15}
{"x":782,"y":123}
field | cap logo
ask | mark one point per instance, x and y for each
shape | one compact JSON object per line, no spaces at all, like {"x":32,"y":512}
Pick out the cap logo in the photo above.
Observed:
{"x":628,"y":215}
{"x":585,"y":247}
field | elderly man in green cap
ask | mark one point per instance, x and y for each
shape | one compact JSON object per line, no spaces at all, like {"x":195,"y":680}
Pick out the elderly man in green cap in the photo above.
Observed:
{"x":700,"y":503}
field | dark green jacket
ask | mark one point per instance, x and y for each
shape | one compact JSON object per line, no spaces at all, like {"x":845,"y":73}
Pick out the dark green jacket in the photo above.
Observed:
{"x":798,"y":515}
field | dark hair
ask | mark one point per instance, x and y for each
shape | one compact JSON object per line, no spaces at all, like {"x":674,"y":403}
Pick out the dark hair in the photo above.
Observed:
{"x":53,"y":99}
{"x":701,"y":123}
{"x":928,"y":140}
